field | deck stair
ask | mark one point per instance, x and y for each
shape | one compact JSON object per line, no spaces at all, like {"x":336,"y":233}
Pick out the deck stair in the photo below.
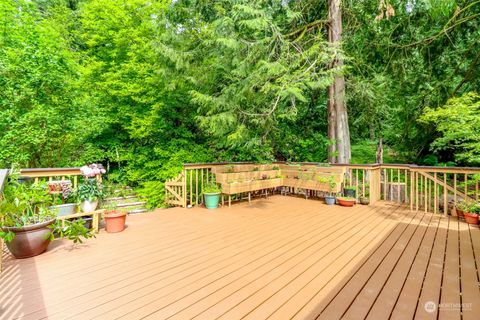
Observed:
{"x":128,"y":200}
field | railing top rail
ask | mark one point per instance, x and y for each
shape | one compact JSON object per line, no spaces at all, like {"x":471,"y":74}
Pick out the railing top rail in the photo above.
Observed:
{"x":360,"y":166}
{"x":49,"y":172}
{"x":27,"y":170}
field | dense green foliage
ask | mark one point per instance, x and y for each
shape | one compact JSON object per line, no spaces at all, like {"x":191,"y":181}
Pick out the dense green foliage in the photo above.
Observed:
{"x":144,"y":86}
{"x":459,"y":124}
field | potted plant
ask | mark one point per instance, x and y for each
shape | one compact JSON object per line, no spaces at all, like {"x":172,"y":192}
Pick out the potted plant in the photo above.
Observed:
{"x":365,"y":197}
{"x":114,"y":218}
{"x":212,"y":192}
{"x":346,"y":201}
{"x":88,"y":194}
{"x":27,"y":224}
{"x":329,"y":198}
{"x":461,"y":207}
{"x":350,"y":192}
{"x":472,"y":210}
{"x":64,"y":204}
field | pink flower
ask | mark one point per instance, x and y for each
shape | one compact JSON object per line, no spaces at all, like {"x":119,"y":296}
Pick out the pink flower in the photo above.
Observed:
{"x":92,"y":170}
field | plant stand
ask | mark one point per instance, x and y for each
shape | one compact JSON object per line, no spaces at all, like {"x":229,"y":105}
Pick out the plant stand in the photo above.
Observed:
{"x":96,"y":215}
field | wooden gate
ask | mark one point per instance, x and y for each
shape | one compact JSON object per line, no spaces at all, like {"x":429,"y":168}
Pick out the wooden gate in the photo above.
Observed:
{"x":175,"y":191}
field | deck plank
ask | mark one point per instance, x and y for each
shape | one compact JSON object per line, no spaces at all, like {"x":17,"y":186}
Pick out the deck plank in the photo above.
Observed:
{"x":340,"y":303}
{"x":387,"y":299}
{"x":469,"y":277}
{"x":432,"y":282}
{"x":369,"y":293}
{"x":276,"y":258}
{"x":406,"y":304}
{"x":244,"y":273}
{"x":450,"y":294}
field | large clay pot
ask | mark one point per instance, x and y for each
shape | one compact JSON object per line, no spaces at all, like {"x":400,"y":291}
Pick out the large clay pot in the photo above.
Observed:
{"x":115,"y":221}
{"x":31,"y":240}
{"x":88,"y":206}
{"x":460,"y":214}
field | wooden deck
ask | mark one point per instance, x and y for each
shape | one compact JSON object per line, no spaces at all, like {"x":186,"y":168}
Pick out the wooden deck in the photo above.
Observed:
{"x":279,"y":258}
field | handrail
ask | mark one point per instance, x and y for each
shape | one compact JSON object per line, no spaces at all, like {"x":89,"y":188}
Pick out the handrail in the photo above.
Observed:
{"x":367,"y":165}
{"x":49,"y":172}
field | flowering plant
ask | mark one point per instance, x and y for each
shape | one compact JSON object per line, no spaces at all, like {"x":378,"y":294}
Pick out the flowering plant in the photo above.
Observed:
{"x":92,"y":170}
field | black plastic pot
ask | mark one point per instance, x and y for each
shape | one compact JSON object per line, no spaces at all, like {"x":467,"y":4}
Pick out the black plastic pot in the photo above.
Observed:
{"x":349,"y":193}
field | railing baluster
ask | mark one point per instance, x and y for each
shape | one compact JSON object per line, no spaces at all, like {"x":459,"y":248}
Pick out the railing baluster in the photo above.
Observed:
{"x":356,"y":182}
{"x":416,"y":192}
{"x":445,"y":195}
{"x":196,"y":186}
{"x":435,"y":186}
{"x":363,"y":181}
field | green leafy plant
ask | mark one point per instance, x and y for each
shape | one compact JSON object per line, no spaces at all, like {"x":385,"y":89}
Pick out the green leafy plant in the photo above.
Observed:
{"x":349,"y":188}
{"x":25,"y":204}
{"x":90,"y":190}
{"x":73,"y":230}
{"x":212,"y":187}
{"x":469,"y":206}
{"x":330,"y":180}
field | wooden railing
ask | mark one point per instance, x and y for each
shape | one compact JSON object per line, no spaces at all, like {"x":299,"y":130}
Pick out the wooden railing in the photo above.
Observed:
{"x":50,"y":174}
{"x":432,"y":189}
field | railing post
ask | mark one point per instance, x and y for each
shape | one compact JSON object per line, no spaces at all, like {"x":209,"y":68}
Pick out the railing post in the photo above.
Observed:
{"x":184,"y":187}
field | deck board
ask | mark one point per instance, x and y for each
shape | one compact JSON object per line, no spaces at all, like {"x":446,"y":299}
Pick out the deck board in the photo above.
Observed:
{"x":276,"y":258}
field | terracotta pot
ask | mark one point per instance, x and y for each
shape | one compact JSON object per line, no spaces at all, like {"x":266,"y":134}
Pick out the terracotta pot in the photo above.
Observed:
{"x":88,"y":206}
{"x":115,"y":221}
{"x":471,"y":218}
{"x":29,"y":241}
{"x":346,"y":203}
{"x":460,"y":214}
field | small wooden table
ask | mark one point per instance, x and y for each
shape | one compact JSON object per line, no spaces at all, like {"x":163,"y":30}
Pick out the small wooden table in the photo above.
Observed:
{"x":96,"y":215}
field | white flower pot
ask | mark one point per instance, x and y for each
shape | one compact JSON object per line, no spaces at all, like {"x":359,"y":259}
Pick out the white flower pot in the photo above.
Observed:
{"x":89,"y":206}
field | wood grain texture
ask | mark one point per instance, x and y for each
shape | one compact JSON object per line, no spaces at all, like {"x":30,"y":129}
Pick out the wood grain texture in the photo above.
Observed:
{"x":275,"y":258}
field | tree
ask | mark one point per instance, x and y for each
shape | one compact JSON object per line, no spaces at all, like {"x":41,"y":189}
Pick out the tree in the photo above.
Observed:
{"x":458,"y":123}
{"x":338,"y":127}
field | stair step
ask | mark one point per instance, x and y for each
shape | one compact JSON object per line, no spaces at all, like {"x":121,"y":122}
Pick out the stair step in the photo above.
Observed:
{"x":136,"y":211}
{"x":121,"y":198}
{"x":131,"y":204}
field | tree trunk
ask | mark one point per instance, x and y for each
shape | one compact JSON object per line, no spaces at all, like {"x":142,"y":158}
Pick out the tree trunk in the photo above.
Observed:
{"x":380,"y":151}
{"x":340,"y":124}
{"x":332,"y":120}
